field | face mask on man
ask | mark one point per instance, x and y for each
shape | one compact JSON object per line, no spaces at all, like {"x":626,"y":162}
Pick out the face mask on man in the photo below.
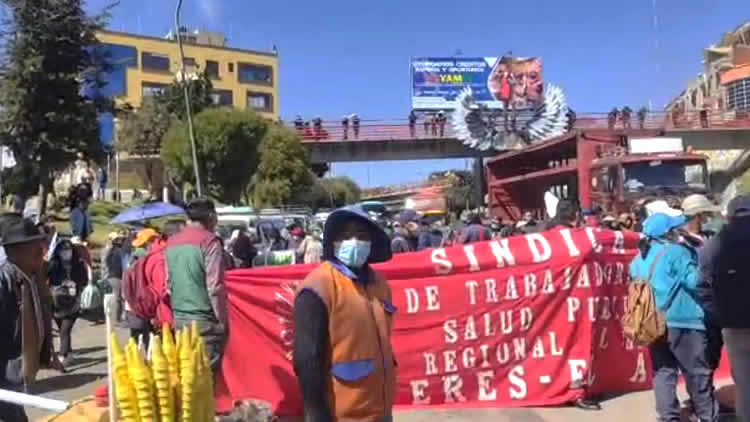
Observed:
{"x":352,"y":252}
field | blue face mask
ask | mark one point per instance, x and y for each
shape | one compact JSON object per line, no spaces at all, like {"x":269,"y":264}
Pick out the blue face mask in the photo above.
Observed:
{"x":353,"y":252}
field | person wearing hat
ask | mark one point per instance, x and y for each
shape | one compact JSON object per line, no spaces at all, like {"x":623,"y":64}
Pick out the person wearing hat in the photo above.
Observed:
{"x":25,"y":310}
{"x":343,"y":314}
{"x":672,"y":271}
{"x":699,"y":210}
{"x":144,"y":241}
{"x":726,"y":262}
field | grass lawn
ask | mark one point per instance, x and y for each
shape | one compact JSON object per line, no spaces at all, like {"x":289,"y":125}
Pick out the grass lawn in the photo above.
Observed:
{"x":101,"y":214}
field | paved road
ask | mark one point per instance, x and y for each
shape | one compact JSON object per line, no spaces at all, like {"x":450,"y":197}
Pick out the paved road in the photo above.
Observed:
{"x":90,"y":370}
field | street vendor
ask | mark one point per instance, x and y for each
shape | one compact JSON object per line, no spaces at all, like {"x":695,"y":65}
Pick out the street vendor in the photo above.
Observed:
{"x":343,"y":315}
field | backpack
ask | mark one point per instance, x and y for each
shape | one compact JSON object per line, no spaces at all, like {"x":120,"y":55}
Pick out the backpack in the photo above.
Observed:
{"x":144,"y":288}
{"x":642,"y":322}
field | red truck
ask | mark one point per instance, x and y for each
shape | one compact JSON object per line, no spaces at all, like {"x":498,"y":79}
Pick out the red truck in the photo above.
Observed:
{"x":595,"y":168}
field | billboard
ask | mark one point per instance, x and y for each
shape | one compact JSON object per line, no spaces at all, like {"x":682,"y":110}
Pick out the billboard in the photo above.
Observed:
{"x":503,"y":82}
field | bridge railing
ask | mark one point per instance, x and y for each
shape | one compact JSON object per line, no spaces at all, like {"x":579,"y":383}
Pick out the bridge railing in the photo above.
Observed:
{"x":404,"y":188}
{"x":399,"y":129}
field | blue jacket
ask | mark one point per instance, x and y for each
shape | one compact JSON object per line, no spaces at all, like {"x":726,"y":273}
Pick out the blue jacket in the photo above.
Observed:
{"x":674,"y":282}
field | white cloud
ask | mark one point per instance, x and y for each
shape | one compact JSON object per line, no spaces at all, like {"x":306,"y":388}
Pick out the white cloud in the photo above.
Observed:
{"x":210,"y":10}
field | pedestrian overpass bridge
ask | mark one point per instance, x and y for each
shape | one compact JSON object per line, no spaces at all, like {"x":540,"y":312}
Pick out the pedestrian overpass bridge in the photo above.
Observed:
{"x":379,"y":140}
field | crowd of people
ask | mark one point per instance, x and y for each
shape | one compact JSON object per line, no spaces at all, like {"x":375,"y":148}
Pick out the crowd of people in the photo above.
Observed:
{"x":44,"y":278}
{"x":316,"y":131}
{"x":697,"y":275}
{"x":434,"y":124}
{"x":624,"y":116}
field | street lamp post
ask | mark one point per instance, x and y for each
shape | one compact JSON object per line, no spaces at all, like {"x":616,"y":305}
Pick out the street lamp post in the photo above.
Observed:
{"x":185,"y":90}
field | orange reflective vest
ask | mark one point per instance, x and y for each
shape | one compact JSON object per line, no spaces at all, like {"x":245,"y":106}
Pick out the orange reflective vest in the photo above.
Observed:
{"x":363,"y":369}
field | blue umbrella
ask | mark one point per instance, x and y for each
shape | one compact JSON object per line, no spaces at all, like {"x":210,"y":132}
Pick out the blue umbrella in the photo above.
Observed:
{"x":147,"y":211}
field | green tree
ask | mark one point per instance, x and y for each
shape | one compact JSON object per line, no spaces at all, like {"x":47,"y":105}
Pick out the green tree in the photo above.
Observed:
{"x":141,"y":133}
{"x":200,"y":91}
{"x":462,"y":193}
{"x":284,"y":172}
{"x":330,"y":192}
{"x":50,"y":56}
{"x":227,"y":146}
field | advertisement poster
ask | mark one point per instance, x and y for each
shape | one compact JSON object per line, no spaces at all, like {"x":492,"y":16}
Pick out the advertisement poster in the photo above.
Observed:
{"x":498,"y":83}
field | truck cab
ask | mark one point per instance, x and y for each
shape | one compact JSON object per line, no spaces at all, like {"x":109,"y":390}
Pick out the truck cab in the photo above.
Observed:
{"x":620,"y":177}
{"x":601,"y":169}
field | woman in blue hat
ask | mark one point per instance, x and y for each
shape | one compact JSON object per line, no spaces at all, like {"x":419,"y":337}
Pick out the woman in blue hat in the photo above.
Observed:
{"x":673,"y":273}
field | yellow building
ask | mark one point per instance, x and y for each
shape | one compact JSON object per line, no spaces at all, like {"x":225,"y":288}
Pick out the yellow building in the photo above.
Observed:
{"x":144,"y":65}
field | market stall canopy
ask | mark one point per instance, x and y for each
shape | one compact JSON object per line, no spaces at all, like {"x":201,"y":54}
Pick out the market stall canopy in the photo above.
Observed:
{"x":147,"y":211}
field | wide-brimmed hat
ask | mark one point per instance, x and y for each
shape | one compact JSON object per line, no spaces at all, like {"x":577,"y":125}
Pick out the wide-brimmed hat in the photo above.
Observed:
{"x":661,"y":206}
{"x":381,"y":243}
{"x":697,"y":204}
{"x":15,"y":230}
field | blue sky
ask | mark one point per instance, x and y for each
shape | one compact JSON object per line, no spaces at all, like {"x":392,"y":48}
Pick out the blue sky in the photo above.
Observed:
{"x":340,"y":57}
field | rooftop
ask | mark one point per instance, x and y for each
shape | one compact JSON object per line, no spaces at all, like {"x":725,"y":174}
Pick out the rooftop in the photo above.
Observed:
{"x":209,"y":44}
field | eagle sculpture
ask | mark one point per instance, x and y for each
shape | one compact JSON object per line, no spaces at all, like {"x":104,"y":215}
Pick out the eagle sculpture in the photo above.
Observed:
{"x":483,"y":129}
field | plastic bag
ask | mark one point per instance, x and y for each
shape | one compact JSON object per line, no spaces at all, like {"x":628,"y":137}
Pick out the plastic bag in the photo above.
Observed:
{"x":91,"y":297}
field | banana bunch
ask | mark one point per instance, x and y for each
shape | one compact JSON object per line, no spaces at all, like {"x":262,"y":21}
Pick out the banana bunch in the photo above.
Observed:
{"x":174,"y":385}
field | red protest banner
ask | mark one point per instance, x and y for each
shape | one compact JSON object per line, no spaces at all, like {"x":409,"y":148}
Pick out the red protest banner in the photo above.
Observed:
{"x":526,"y":321}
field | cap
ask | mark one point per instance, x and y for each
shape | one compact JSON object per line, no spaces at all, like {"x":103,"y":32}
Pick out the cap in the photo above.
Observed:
{"x":697,"y":204}
{"x":739,"y":206}
{"x":660,"y":224}
{"x":143,"y":237}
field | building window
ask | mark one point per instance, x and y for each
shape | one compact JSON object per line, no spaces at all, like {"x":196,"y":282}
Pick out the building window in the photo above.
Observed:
{"x":212,"y":69}
{"x":230,"y":67}
{"x":738,"y":94}
{"x":254,"y":74}
{"x":150,"y":89}
{"x":260,"y":101}
{"x":222,"y":97}
{"x":155,"y":62}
